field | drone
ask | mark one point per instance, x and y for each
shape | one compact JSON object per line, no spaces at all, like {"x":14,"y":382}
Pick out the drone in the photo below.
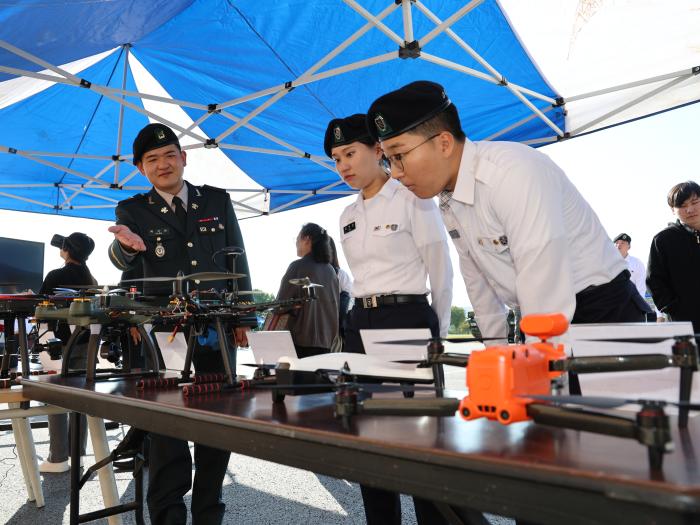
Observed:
{"x":512,"y":383}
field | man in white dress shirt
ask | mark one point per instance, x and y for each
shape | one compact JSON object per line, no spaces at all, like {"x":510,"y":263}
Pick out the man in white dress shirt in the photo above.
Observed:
{"x":636,"y":266}
{"x":524,"y":234}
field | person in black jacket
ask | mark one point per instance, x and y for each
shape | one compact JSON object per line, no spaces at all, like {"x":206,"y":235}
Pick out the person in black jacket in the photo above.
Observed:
{"x":313,"y":325}
{"x":673,"y":272}
{"x":175,"y":227}
{"x":75,"y":250}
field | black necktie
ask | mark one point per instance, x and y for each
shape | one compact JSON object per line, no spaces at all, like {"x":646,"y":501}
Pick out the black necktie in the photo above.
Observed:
{"x":180,"y":211}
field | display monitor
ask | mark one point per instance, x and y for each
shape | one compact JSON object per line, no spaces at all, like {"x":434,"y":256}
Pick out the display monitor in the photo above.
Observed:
{"x":21,"y":265}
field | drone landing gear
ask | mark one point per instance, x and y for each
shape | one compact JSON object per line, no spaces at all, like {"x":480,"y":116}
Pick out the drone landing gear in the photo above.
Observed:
{"x":91,"y":372}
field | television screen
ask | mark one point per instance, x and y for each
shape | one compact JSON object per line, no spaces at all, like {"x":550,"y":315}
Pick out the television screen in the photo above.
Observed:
{"x":21,"y":265}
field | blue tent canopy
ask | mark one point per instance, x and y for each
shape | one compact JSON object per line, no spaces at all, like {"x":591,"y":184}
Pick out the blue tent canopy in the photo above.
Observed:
{"x":260,"y":80}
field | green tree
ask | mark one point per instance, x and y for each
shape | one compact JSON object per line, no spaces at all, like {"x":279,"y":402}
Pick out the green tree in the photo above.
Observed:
{"x":457,"y":318}
{"x":262,"y":297}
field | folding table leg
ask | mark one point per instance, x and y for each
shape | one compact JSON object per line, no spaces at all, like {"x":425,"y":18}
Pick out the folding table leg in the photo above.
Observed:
{"x":22,"y":457}
{"x":23,"y":435}
{"x":108,"y":483}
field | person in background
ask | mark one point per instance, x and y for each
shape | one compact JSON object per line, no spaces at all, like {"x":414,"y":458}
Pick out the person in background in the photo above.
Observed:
{"x":674,"y":258}
{"x":74,"y":250}
{"x":636,"y":268}
{"x":393,"y":243}
{"x":345,"y":282}
{"x":314,"y":324}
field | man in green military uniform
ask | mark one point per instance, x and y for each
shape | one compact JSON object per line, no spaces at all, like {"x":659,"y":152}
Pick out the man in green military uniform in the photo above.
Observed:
{"x":178,"y":227}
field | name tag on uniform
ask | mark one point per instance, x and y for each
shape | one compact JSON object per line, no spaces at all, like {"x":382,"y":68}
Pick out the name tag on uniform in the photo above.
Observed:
{"x":349,"y":227}
{"x":454,"y":234}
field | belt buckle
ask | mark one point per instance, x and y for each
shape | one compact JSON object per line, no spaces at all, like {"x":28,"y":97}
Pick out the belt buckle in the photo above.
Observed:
{"x":370,"y":302}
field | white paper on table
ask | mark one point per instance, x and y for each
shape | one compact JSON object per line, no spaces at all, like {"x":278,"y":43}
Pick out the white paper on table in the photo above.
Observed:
{"x":269,"y":346}
{"x":173,"y":352}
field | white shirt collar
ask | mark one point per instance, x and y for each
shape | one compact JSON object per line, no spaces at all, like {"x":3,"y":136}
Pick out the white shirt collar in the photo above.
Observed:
{"x":466,"y":181}
{"x":168,"y":197}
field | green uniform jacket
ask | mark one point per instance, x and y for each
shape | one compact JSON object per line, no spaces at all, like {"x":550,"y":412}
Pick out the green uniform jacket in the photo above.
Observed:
{"x":170,"y":247}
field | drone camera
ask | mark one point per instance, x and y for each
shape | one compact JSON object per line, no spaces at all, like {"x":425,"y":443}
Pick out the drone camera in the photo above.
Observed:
{"x":53,"y":346}
{"x":111,"y":348}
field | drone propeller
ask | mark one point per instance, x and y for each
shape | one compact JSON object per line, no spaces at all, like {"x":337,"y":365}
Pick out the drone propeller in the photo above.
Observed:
{"x":362,"y":387}
{"x":608,"y":402}
{"x":305,"y":282}
{"x":423,"y":342}
{"x":200,"y":276}
{"x":642,"y":340}
{"x":264,"y":366}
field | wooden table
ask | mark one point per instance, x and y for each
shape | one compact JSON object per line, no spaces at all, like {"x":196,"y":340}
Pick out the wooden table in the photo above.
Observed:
{"x":531,"y":471}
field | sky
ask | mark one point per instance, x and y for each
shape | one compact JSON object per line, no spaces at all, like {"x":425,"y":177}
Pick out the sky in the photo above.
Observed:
{"x":624,"y":173}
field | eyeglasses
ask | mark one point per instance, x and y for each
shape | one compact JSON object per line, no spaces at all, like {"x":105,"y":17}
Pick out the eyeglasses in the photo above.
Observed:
{"x":396,"y":159}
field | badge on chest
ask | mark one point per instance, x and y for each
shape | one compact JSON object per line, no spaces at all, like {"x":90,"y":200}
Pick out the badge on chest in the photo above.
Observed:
{"x":209,"y":225}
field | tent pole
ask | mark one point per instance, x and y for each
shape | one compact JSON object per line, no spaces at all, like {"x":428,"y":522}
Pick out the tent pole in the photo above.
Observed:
{"x":516,"y":125}
{"x":120,"y":125}
{"x":32,"y":201}
{"x":62,"y":168}
{"x":375,"y":21}
{"x":496,"y":75}
{"x":684,"y":73}
{"x":450,"y":21}
{"x":407,"y":21}
{"x":305,"y":80}
{"x":327,"y":58}
{"x":631,"y":103}
{"x":469,"y":71}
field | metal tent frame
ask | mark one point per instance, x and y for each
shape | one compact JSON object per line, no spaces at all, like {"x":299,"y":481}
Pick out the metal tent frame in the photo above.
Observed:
{"x":116,"y":177}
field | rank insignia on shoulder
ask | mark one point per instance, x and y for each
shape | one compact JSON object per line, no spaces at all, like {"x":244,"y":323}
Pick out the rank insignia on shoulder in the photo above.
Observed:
{"x":349,"y":227}
{"x":454,"y":234}
{"x":503,"y":240}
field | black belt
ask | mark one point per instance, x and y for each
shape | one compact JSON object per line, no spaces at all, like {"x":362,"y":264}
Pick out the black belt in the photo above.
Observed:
{"x":374,"y":301}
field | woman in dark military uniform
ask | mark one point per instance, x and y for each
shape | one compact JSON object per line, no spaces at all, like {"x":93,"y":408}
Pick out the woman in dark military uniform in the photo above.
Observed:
{"x":178,"y":227}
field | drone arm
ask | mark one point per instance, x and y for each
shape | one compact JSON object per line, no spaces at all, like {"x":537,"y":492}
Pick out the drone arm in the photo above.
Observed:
{"x":582,"y":420}
{"x":615,"y":363}
{"x":444,"y":406}
{"x":459,"y":360}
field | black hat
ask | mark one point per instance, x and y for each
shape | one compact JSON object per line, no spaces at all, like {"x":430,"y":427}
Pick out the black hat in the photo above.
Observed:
{"x":78,"y":245}
{"x":151,"y":137}
{"x":404,"y":109}
{"x":342,"y":131}
{"x":623,"y":237}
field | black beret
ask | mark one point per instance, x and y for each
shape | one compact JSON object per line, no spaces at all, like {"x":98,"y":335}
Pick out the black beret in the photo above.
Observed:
{"x":623,"y":237}
{"x":151,"y":137}
{"x":342,"y":131}
{"x":404,"y":109}
{"x":79,"y":246}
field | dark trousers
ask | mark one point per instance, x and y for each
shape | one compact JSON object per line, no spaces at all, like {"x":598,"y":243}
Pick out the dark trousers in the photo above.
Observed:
{"x":615,"y":302}
{"x":170,"y":471}
{"x":383,"y":507}
{"x":411,"y":315}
